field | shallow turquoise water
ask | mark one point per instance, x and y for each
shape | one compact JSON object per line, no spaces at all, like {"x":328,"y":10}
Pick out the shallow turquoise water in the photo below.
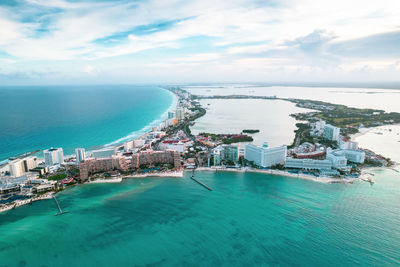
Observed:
{"x":37,"y":117}
{"x":248,"y":220}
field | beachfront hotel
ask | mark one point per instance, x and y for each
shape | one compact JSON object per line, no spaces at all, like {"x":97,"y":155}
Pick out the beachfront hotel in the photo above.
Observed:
{"x":20,"y":166}
{"x":180,"y":113}
{"x":331,"y":132}
{"x":80,"y":154}
{"x":225,"y":153}
{"x":265,"y":156}
{"x":308,"y":164}
{"x":53,"y":156}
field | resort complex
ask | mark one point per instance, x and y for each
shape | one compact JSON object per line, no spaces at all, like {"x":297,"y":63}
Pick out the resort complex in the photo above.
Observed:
{"x":320,"y":150}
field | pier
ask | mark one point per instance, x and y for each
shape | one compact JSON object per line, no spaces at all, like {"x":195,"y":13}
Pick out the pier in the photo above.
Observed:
{"x":200,"y":183}
{"x":58,"y":206}
{"x":368,"y":180}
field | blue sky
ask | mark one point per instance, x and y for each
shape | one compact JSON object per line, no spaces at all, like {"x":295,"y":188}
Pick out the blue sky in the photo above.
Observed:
{"x":121,"y":41}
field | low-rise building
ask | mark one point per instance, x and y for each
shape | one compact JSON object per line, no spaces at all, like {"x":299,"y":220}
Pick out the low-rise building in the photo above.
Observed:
{"x":173,"y":145}
{"x":308,"y":164}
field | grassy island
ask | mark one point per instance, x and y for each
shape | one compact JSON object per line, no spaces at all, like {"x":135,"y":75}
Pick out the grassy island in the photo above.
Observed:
{"x":250,"y":131}
{"x":228,"y":138}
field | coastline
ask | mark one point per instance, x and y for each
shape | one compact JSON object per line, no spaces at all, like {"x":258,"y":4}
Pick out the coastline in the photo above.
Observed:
{"x":321,"y":179}
{"x":49,"y":195}
{"x":179,"y":174}
{"x":20,"y":203}
{"x":146,"y":129}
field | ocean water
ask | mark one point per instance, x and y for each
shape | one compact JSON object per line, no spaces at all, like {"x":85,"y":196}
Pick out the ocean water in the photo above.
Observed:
{"x":247,"y":220}
{"x":38,"y":117}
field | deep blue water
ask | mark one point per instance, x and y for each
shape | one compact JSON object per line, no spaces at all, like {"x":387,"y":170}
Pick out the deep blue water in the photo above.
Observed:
{"x":37,"y":117}
{"x":247,"y":220}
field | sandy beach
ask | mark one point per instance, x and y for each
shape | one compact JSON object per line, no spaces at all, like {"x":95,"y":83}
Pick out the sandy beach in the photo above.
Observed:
{"x":105,"y":181}
{"x":20,"y":203}
{"x":177,"y":174}
{"x":320,"y":179}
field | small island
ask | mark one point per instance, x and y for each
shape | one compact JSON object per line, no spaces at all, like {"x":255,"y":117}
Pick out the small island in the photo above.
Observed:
{"x":249,"y":131}
{"x":228,"y":138}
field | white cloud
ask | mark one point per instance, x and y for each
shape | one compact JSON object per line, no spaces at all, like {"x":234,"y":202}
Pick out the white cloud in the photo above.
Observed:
{"x":242,"y":34}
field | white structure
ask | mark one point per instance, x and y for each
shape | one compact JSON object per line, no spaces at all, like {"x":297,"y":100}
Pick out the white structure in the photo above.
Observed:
{"x":177,"y":146}
{"x":16,"y":167}
{"x":339,"y":161}
{"x":356,"y":156}
{"x":128,"y":146}
{"x":80,"y":154}
{"x":53,"y":156}
{"x":348,"y":145}
{"x":308,"y":164}
{"x":104,"y":153}
{"x":331,"y":132}
{"x":139,"y":142}
{"x":19,"y":166}
{"x":265,"y":156}
{"x":180,"y":113}
{"x":320,"y":125}
{"x":217,"y":155}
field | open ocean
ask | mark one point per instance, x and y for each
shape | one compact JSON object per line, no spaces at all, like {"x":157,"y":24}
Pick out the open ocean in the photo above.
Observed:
{"x":247,"y":220}
{"x":38,"y":117}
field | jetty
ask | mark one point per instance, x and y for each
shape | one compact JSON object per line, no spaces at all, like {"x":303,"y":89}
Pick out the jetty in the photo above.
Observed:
{"x":368,"y":180}
{"x":200,"y":183}
{"x":59,"y":208}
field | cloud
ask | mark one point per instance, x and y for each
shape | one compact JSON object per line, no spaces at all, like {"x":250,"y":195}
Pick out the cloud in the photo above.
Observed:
{"x":383,"y":45}
{"x":285,"y":36}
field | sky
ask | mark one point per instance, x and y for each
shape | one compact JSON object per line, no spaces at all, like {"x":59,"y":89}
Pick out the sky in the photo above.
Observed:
{"x":172,"y":41}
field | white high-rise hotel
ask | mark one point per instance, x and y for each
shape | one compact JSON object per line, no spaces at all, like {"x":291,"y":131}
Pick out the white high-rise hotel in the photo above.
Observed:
{"x":19,"y":166}
{"x":265,"y":156}
{"x":53,"y":156}
{"x":80,"y":154}
{"x":331,"y":132}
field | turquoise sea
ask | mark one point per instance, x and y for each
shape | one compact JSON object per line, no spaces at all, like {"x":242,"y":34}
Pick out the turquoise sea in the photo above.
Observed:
{"x":247,"y":220}
{"x":37,"y":117}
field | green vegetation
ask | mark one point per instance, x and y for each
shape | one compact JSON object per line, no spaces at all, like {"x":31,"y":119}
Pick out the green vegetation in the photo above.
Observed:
{"x":237,"y":140}
{"x":57,"y":177}
{"x":228,"y":138}
{"x":345,"y":117}
{"x":250,"y":131}
{"x":302,"y":135}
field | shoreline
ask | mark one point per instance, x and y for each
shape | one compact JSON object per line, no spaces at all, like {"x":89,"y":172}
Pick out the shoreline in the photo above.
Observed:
{"x":20,"y":203}
{"x":179,"y":174}
{"x":320,"y":179}
{"x":49,"y":195}
{"x":142,"y":132}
